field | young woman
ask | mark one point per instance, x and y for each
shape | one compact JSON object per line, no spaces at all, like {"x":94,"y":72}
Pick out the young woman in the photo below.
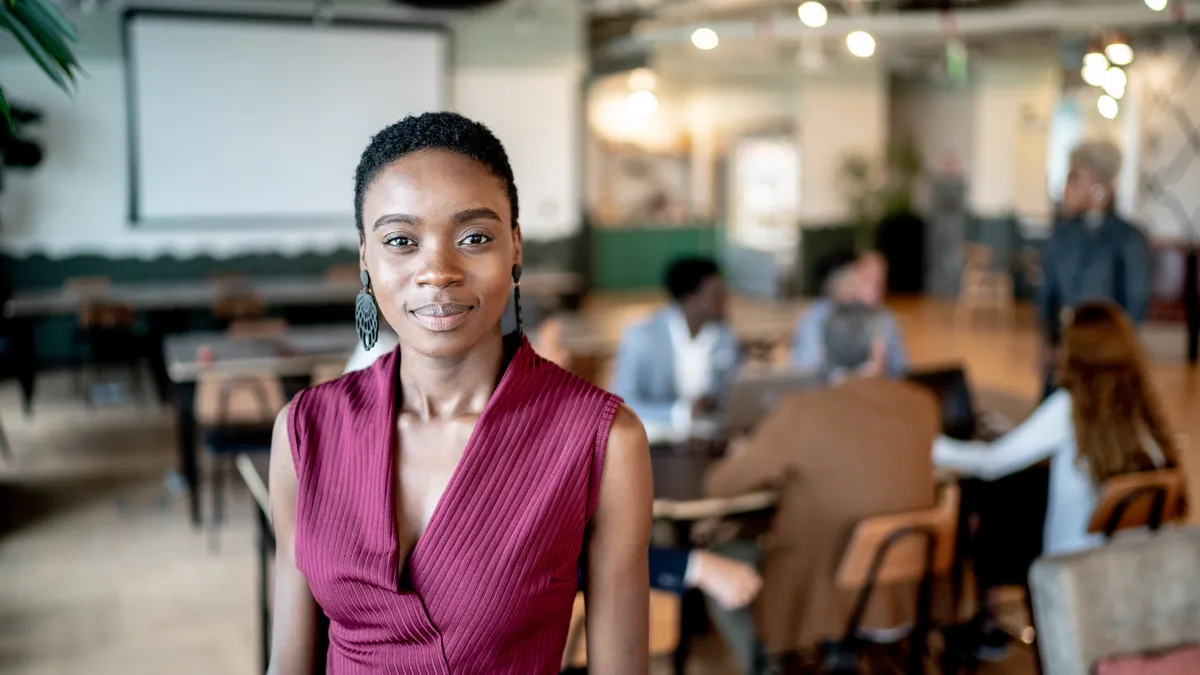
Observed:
{"x":1103,"y":421}
{"x":436,"y":505}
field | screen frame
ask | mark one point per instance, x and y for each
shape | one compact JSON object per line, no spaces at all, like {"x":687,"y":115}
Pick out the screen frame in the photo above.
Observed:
{"x":130,"y":15}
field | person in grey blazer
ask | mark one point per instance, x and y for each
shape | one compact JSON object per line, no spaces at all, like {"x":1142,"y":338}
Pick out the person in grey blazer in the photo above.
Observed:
{"x":675,"y":367}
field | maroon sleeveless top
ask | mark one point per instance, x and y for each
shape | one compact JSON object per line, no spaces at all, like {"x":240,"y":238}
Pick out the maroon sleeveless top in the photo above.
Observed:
{"x":490,"y":583}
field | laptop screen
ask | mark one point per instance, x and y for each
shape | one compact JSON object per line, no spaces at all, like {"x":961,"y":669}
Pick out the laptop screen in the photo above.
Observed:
{"x":950,"y":387}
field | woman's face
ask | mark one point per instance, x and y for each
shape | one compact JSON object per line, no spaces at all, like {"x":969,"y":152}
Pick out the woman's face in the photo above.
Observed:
{"x":1079,"y":194}
{"x":439,"y":244}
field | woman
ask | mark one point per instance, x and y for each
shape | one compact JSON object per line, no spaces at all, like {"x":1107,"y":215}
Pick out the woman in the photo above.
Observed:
{"x":1104,"y":421}
{"x":436,"y":505}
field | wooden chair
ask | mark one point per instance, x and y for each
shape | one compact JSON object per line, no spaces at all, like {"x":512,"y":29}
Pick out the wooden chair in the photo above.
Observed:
{"x":894,"y":549}
{"x":664,"y":629}
{"x":234,"y":298}
{"x":104,"y":333}
{"x":235,"y":414}
{"x":983,"y":288}
{"x":1137,"y":500}
{"x":327,"y":372}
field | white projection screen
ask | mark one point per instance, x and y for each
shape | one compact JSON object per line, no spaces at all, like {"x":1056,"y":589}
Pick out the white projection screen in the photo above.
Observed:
{"x":245,"y":122}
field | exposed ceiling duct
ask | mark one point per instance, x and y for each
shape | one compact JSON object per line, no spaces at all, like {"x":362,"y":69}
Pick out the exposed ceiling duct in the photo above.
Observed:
{"x":984,"y":21}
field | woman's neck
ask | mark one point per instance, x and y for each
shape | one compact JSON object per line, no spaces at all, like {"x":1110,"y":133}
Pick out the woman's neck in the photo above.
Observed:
{"x":449,"y":387}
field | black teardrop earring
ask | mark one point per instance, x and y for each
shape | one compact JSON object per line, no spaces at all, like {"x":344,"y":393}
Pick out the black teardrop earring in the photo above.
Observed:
{"x":516,"y":274}
{"x":366,"y":313}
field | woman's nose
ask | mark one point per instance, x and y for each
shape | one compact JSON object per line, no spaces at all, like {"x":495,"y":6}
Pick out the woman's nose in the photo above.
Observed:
{"x":440,"y":266}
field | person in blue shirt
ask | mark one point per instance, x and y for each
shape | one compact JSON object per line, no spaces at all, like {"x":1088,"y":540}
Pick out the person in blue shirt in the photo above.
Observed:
{"x":850,"y":280}
{"x":1092,"y":253}
{"x":675,"y":367}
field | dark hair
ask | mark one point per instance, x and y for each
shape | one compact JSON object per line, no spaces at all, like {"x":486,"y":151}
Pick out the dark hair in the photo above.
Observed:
{"x":432,"y":131}
{"x":684,"y":277}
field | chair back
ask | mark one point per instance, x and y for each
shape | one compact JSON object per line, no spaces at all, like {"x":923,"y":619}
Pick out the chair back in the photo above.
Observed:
{"x":327,"y":372}
{"x":664,"y":628}
{"x":1145,"y":499}
{"x":884,"y":550}
{"x":238,"y":400}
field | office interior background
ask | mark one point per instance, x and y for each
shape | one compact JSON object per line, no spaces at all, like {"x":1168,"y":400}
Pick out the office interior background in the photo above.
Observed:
{"x":196,"y":178}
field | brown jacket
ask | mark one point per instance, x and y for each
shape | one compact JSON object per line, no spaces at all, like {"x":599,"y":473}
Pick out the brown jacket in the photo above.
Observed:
{"x":843,"y":454}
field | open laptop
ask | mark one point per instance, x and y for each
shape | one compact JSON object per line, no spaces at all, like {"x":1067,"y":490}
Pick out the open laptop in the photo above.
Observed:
{"x":755,"y":395}
{"x":949,"y":385}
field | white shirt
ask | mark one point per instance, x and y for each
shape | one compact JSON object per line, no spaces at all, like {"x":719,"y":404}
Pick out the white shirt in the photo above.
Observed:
{"x":693,"y":363}
{"x":1049,"y":433}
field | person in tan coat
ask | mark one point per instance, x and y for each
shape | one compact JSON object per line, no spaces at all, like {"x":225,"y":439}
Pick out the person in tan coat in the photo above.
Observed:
{"x":839,"y":455}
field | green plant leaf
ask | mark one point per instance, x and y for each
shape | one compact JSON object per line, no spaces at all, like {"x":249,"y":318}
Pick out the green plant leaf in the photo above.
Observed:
{"x":52,"y":14}
{"x":6,"y":111}
{"x":12,"y":24}
{"x":47,"y":34}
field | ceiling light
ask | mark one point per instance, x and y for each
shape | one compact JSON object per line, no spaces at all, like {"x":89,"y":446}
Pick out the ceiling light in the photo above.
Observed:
{"x":1094,"y":76}
{"x":1095,"y":59}
{"x":1157,"y":5}
{"x":642,"y":103}
{"x":813,"y":14}
{"x":860,"y":43}
{"x":1119,"y":53}
{"x":705,"y":38}
{"x":642,"y":79}
{"x":1108,"y":106}
{"x":1114,"y":82}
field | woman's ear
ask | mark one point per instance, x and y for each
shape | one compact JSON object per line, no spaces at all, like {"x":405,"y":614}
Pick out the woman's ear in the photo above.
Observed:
{"x":518,"y":247}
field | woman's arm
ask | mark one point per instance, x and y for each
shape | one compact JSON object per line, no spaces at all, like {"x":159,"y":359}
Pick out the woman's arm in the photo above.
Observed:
{"x":294,"y":620}
{"x":618,"y":568}
{"x":1035,"y":440}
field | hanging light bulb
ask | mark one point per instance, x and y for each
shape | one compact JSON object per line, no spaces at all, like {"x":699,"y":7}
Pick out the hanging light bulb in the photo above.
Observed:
{"x":1095,"y":59}
{"x":813,"y":14}
{"x":705,"y":39}
{"x":1119,"y":53}
{"x":861,"y":44}
{"x":1114,"y":82}
{"x":1108,"y":106}
{"x":1157,"y":5}
{"x":642,"y":103}
{"x":1094,"y":76}
{"x":642,"y":79}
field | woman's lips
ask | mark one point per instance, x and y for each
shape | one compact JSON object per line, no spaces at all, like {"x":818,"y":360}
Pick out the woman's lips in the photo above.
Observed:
{"x":441,"y":317}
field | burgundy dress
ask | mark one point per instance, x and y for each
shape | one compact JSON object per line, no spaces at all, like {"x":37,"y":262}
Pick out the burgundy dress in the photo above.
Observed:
{"x":489,"y":585}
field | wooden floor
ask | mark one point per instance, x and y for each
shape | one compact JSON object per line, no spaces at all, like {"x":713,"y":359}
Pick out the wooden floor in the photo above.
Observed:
{"x":101,"y":574}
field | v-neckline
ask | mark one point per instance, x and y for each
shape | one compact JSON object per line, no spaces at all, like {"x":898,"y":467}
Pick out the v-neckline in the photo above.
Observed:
{"x":393,"y":456}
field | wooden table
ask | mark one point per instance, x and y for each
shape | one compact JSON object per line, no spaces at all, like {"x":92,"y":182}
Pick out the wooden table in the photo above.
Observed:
{"x":678,"y":497}
{"x":292,"y":356}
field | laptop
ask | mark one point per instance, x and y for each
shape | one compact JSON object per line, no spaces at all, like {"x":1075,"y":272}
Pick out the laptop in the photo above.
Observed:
{"x":755,"y":395}
{"x":949,"y":385}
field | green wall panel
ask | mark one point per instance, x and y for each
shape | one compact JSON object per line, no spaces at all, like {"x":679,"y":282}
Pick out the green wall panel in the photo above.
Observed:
{"x":636,"y":258}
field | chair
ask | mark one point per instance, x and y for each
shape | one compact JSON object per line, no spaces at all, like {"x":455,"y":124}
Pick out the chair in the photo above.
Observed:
{"x":234,"y":299}
{"x":664,"y":629}
{"x":235,"y":415}
{"x":1137,"y":595}
{"x":895,"y":549}
{"x":1137,"y":500}
{"x":104,"y":332}
{"x":983,"y":288}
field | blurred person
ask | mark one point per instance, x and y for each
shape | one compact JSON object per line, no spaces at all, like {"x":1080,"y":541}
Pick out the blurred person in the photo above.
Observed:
{"x":436,"y":505}
{"x":1092,"y":253}
{"x":675,"y":367}
{"x":1105,"y":420}
{"x":854,"y":450}
{"x":854,"y":288}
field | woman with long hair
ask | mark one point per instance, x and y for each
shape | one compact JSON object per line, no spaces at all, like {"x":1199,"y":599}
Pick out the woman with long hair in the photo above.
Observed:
{"x":1104,"y":420}
{"x":437,"y":504}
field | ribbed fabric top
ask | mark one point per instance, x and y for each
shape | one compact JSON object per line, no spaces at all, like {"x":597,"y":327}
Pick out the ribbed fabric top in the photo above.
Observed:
{"x":494,"y":574}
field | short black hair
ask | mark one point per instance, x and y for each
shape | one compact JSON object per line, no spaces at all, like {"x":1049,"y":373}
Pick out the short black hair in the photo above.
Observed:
{"x":432,"y":131}
{"x":684,"y":277}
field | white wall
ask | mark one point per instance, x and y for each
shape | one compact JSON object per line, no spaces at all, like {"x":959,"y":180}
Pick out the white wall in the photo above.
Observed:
{"x":941,"y":125}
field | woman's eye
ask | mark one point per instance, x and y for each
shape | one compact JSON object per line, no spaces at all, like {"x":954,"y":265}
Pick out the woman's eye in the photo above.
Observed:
{"x":476,"y":239}
{"x":398,"y":241}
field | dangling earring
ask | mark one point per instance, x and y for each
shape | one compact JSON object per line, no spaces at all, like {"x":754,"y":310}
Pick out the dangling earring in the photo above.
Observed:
{"x":366,"y":313}
{"x":516,"y":274}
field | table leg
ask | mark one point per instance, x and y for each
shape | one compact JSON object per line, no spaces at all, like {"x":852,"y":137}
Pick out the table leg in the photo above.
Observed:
{"x":186,"y":424}
{"x":689,"y":604}
{"x":266,"y":545}
{"x":26,"y":361}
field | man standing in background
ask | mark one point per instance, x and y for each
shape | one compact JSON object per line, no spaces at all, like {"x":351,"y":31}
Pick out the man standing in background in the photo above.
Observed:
{"x":1092,"y":253}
